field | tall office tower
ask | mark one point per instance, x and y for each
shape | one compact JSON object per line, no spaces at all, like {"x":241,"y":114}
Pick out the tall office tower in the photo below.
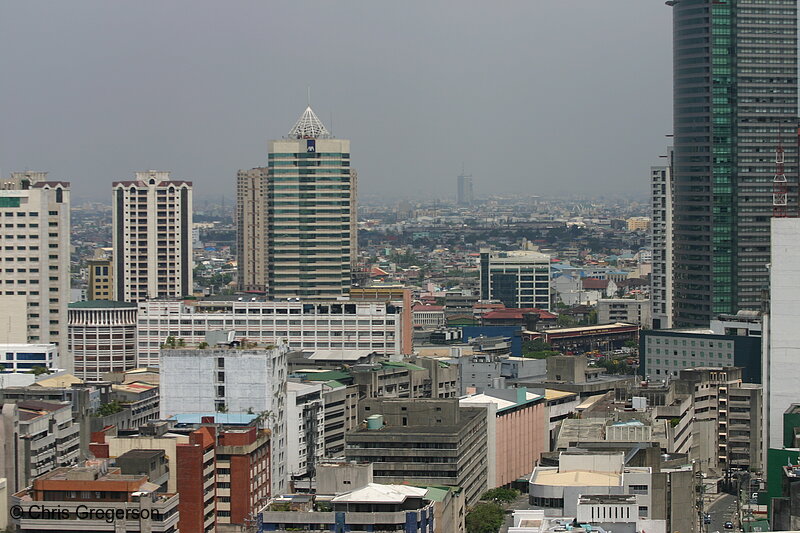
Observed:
{"x":519,"y":279}
{"x":735,"y":96}
{"x":465,"y":190}
{"x":311,"y":216}
{"x":251,"y":224}
{"x":661,"y":241}
{"x":34,"y":257}
{"x":152,"y":237}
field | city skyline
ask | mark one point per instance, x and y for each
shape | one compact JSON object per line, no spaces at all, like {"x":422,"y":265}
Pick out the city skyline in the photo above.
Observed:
{"x":186,"y":101}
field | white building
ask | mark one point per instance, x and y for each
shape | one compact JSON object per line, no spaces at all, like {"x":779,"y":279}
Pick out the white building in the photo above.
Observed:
{"x":334,"y":325}
{"x":519,"y":279}
{"x":152,"y":237}
{"x":34,"y":257}
{"x":781,"y":334}
{"x":305,"y":428}
{"x":661,"y":241}
{"x":557,"y":489}
{"x":428,"y":316}
{"x":231,"y":381}
{"x":102,"y":337}
{"x":24,"y":357}
{"x":630,"y":310}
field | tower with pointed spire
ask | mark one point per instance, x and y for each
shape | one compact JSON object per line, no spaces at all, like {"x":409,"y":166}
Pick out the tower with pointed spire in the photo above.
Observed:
{"x":310,"y":218}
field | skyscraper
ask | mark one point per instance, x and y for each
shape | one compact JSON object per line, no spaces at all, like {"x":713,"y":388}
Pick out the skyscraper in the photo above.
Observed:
{"x":465,"y":190}
{"x":152,"y":236}
{"x":251,"y":224}
{"x":735,"y":96}
{"x":34,"y":257}
{"x":311,"y":213}
{"x":661,"y":241}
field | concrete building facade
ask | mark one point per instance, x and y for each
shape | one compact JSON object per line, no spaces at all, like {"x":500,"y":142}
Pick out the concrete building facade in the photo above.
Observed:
{"x":630,"y":310}
{"x":519,"y":279}
{"x":102,"y":338}
{"x":152,"y":237}
{"x":231,"y":381}
{"x":35,"y":255}
{"x":25,"y":357}
{"x":252,"y":229}
{"x":101,"y":279}
{"x":380,"y":326}
{"x":781,"y":339}
{"x":425,"y":442}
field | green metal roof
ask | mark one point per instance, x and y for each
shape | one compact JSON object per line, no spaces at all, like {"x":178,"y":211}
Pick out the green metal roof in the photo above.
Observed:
{"x":101,"y":304}
{"x":401,"y":364}
{"x":331,"y":375}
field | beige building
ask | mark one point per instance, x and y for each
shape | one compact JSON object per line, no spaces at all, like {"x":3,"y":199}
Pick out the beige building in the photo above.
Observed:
{"x":101,"y":279}
{"x":34,"y":252}
{"x":251,"y":223}
{"x":638,"y":223}
{"x":152,"y":236}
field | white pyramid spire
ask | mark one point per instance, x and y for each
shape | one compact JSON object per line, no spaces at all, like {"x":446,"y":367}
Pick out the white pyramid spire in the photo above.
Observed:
{"x":309,"y":126}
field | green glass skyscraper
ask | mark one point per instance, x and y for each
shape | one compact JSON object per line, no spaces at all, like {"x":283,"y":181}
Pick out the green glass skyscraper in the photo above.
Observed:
{"x":735,"y":100}
{"x":311,"y":213}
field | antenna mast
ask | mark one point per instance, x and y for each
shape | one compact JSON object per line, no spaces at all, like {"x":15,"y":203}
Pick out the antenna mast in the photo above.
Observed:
{"x":780,"y":189}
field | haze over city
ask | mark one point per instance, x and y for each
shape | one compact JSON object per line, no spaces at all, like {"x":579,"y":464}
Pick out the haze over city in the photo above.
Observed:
{"x":537,"y":97}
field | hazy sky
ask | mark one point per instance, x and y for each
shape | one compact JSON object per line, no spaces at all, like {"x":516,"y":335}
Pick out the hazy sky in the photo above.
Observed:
{"x":533,"y":96}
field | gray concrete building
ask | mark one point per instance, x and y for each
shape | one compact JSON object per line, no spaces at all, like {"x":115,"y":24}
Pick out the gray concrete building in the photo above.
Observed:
{"x":423,"y":442}
{"x":661,"y":242}
{"x":631,"y":310}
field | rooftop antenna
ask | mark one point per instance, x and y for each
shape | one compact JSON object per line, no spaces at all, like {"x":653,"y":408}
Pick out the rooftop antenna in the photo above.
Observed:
{"x":308,"y":90}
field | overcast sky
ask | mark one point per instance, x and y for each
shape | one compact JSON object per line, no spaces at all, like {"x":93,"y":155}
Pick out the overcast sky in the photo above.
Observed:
{"x":532,"y":96}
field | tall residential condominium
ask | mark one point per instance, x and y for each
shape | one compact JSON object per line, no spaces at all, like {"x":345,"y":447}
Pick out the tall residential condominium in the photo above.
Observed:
{"x":661,"y":241}
{"x":251,"y":223}
{"x":152,"y":236}
{"x":34,"y":257}
{"x":519,"y":279}
{"x":465,"y":190}
{"x":309,"y":216}
{"x":735,"y":102}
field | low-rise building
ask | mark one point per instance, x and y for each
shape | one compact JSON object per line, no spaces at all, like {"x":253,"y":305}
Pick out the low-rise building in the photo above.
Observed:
{"x":91,"y":498}
{"x":26,"y":357}
{"x":422,"y":441}
{"x":518,"y":431}
{"x":630,"y":310}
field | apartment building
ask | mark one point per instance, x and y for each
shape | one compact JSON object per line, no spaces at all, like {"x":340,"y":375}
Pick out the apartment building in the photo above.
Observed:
{"x":246,"y":381}
{"x":101,"y":279}
{"x":34,"y":252}
{"x":88,"y":498}
{"x":630,"y":310}
{"x":252,"y":221}
{"x":305,"y":429}
{"x":152,"y":237}
{"x":661,"y":242}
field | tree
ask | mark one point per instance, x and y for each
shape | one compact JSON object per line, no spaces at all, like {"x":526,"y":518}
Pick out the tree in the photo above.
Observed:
{"x":203,"y":345}
{"x":500,"y":495}
{"x":39,"y":370}
{"x":566,"y":321}
{"x":109,"y":408}
{"x":484,"y":518}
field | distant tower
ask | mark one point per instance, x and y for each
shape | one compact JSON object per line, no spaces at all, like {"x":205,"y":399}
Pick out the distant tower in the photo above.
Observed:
{"x":311,"y":213}
{"x":465,"y":189}
{"x":152,"y":236}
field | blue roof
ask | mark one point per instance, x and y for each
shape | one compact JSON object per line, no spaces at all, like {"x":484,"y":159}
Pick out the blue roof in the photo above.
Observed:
{"x":236,"y":419}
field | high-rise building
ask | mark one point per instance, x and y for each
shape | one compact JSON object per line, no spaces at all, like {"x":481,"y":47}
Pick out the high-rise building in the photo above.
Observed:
{"x":251,"y":234}
{"x":735,"y":96}
{"x":519,"y":279}
{"x":781,"y":336}
{"x":661,"y":242}
{"x":310,"y":215}
{"x":465,"y":190}
{"x":34,"y":257}
{"x":152,"y":236}
{"x":101,"y":279}
{"x":231,"y":381}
